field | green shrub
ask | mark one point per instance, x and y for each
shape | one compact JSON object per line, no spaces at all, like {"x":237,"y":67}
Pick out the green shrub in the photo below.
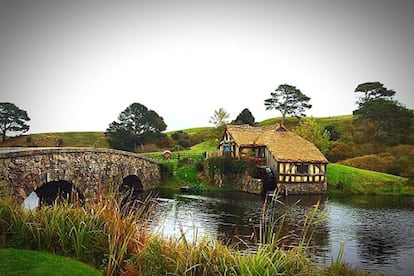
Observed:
{"x":167,"y":169}
{"x":197,"y":187}
{"x":340,"y":151}
{"x":226,"y":165}
{"x":199,"y":165}
{"x":403,"y":166}
{"x":372,"y":162}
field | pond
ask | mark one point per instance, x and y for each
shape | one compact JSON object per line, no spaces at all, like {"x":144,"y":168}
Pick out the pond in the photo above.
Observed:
{"x":377,"y":231}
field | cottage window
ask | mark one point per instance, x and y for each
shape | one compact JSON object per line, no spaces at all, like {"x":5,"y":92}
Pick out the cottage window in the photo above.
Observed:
{"x":302,"y":168}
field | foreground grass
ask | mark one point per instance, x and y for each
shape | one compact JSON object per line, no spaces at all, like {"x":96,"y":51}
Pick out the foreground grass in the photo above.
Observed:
{"x":28,"y":262}
{"x":117,"y":241}
{"x":348,"y":180}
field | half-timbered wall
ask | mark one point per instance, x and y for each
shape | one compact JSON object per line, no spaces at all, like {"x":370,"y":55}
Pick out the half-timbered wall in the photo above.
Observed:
{"x":292,"y":172}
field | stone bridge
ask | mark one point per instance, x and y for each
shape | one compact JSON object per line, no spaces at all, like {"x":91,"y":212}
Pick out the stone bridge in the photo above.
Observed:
{"x":89,"y":170}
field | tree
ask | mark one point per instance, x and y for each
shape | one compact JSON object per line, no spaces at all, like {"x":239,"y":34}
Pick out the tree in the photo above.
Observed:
{"x":389,"y":118}
{"x":245,"y":117}
{"x":12,"y":119}
{"x":314,"y":132}
{"x":373,"y":90}
{"x":136,"y":125}
{"x":289,"y":101}
{"x":219,"y":118}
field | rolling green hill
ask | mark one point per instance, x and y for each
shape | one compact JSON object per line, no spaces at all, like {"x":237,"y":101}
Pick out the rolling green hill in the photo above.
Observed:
{"x":65,"y":139}
{"x":348,"y":180}
{"x":97,"y":139}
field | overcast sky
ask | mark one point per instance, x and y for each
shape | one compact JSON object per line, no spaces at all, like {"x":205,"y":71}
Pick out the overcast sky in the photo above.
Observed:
{"x":75,"y":65}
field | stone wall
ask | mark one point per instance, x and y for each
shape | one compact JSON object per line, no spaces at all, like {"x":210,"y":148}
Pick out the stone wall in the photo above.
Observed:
{"x":245,"y":183}
{"x":305,"y":188}
{"x":240,"y":182}
{"x":89,"y":169}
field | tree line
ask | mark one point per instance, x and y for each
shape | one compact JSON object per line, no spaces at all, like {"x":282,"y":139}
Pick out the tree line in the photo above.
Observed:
{"x":382,"y":118}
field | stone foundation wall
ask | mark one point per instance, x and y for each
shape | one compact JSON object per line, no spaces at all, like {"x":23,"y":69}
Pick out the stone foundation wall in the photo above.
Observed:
{"x":245,"y":183}
{"x":240,"y":182}
{"x":89,"y":169}
{"x":305,"y":188}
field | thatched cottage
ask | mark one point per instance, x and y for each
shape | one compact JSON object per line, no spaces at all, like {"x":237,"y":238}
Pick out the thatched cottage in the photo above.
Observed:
{"x":299,"y":167}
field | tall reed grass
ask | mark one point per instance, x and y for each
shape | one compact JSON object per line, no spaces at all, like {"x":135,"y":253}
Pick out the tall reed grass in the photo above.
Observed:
{"x":116,"y":239}
{"x":99,"y":233}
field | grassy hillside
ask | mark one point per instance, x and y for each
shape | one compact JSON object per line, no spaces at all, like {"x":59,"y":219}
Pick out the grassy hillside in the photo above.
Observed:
{"x":65,"y":139}
{"x":345,"y":179}
{"x":97,"y":139}
{"x":291,"y":122}
{"x":193,"y":130}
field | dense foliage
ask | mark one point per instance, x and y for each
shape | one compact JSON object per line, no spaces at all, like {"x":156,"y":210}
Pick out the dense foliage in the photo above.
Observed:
{"x":386,"y":120}
{"x":226,"y":165}
{"x":245,"y":117}
{"x":314,"y":132}
{"x":182,"y":138}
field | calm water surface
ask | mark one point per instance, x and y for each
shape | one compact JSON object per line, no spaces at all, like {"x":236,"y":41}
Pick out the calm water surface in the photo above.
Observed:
{"x":377,"y":231}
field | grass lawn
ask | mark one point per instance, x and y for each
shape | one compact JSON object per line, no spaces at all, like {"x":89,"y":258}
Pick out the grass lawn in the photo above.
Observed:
{"x":28,"y":262}
{"x":345,"y":179}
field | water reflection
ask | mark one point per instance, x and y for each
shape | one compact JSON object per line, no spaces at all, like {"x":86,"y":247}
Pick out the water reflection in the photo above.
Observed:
{"x":233,"y":218}
{"x":219,"y":216}
{"x":378,"y":232}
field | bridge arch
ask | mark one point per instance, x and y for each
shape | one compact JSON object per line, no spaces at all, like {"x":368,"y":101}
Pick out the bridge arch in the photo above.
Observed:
{"x":90,"y":170}
{"x":58,"y":191}
{"x":132,"y":183}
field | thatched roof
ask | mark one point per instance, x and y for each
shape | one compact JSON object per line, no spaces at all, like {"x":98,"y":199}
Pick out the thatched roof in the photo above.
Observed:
{"x":244,"y":135}
{"x":281,"y":143}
